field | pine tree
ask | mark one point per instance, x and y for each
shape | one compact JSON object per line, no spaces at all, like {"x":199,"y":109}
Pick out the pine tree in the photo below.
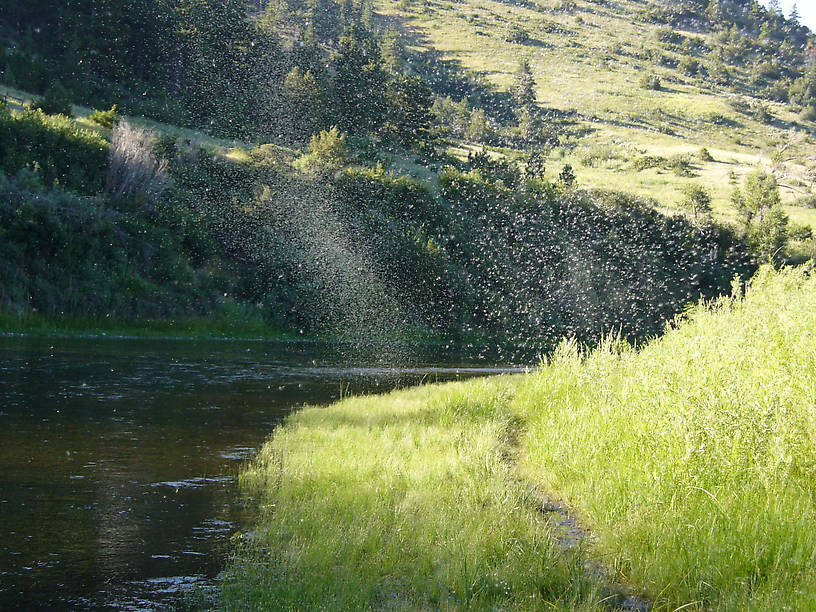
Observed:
{"x":359,"y":83}
{"x":524,"y":88}
{"x":391,"y":52}
{"x":409,"y":101}
{"x":794,"y":14}
{"x":525,"y":98}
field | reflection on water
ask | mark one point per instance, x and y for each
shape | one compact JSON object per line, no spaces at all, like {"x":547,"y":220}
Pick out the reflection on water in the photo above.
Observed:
{"x":118,"y":456}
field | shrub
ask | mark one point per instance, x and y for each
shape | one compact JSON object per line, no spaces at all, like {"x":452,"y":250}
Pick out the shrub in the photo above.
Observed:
{"x":799,"y":232}
{"x":55,"y":147}
{"x":719,"y":75}
{"x":808,"y":113}
{"x":517,"y":34}
{"x":645,"y":162}
{"x":680,"y":165}
{"x":106,"y":119}
{"x":807,"y":201}
{"x":650,"y":81}
{"x":762,"y":114}
{"x":55,"y":101}
{"x":327,"y":153}
{"x":689,"y":66}
{"x":696,"y":199}
{"x":567,"y":176}
{"x":134,"y":169}
{"x":705,"y":155}
{"x":760,"y":209}
{"x":596,"y":156}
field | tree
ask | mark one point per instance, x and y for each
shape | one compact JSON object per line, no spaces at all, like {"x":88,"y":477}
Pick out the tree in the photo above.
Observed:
{"x":536,"y":165}
{"x":305,"y":107}
{"x":567,"y":176}
{"x":409,"y":101}
{"x":524,"y":86}
{"x":760,"y":209}
{"x":794,"y":14}
{"x":359,"y":83}
{"x":391,"y":51}
{"x":697,"y":199}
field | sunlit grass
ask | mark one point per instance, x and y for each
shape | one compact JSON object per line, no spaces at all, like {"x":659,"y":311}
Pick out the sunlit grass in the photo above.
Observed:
{"x":691,"y":460}
{"x":589,"y":60}
{"x":402,"y":502}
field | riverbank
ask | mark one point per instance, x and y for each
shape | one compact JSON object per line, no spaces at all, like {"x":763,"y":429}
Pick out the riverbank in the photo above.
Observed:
{"x":690,"y":462}
{"x":36,"y":324}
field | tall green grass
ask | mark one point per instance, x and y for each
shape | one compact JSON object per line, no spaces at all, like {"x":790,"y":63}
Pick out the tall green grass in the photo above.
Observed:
{"x":692,"y":461}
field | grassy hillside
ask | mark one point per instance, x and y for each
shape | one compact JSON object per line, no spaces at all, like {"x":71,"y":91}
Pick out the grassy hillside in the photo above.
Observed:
{"x":589,"y":60}
{"x":689,"y":462}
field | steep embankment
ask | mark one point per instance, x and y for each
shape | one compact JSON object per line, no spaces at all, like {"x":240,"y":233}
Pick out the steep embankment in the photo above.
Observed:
{"x":690,"y":460}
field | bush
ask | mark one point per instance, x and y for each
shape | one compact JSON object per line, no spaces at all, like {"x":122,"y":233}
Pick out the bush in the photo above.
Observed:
{"x":680,"y":165}
{"x":696,"y":199}
{"x":799,"y":232}
{"x":705,"y":155}
{"x":517,"y":34}
{"x":719,"y":75}
{"x":599,"y":155}
{"x":106,"y":119}
{"x":762,"y":114}
{"x":646,"y":162}
{"x":689,"y":66}
{"x":327,"y":153}
{"x":134,"y":169}
{"x":55,"y":148}
{"x":808,"y":113}
{"x":807,"y":201}
{"x":650,"y":81}
{"x":55,"y":101}
{"x":567,"y":176}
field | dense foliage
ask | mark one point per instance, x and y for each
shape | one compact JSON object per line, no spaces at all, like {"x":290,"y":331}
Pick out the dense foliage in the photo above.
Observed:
{"x":178,"y":230}
{"x":61,"y":153}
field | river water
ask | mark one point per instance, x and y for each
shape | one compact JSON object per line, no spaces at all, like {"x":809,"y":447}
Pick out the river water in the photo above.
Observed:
{"x":118,"y":457}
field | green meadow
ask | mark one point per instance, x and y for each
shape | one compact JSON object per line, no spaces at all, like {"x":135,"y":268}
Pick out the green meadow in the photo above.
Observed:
{"x":688,"y":464}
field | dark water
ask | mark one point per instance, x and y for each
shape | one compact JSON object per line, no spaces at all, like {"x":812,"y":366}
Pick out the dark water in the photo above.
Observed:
{"x":118,"y":457}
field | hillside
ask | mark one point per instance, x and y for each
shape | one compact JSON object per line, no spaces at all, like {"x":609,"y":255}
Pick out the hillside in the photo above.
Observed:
{"x":589,"y":60}
{"x":335,"y":167}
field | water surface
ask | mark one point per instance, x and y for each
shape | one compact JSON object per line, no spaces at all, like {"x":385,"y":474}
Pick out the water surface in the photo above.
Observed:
{"x":118,"y":456}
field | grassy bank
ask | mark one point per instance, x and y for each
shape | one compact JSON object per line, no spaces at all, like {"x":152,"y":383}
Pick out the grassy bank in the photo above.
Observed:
{"x":691,"y":461}
{"x":37,"y":324}
{"x":405,"y":503}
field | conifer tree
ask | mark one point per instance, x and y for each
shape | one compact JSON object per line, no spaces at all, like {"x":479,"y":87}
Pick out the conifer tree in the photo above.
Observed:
{"x":524,"y":88}
{"x":525,"y":98}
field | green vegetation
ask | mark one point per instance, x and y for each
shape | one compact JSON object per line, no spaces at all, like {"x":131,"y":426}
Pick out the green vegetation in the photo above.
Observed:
{"x":132,"y":223}
{"x":224,"y":323}
{"x":592,"y":56}
{"x":60,"y":152}
{"x":405,"y":502}
{"x":689,"y":459}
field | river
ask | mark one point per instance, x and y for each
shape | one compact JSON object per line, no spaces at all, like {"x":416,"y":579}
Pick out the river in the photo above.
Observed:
{"x":118,"y":457}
